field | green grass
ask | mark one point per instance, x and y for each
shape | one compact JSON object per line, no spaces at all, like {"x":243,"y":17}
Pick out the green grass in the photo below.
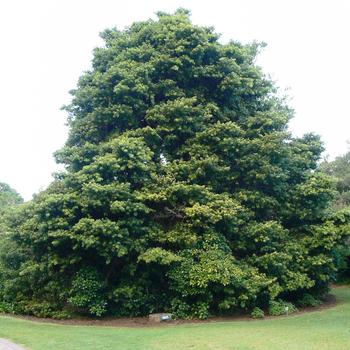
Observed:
{"x":319,"y":330}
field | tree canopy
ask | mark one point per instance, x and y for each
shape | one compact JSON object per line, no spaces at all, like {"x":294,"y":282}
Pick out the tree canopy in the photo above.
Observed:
{"x":184,"y":191}
{"x":339,"y":168}
{"x":8,"y":197}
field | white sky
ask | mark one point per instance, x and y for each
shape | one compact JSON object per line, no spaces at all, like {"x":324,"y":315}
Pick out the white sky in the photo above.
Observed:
{"x":47,"y":44}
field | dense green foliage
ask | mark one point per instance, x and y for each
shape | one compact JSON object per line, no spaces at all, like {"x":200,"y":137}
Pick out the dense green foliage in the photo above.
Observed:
{"x":339,"y":169}
{"x":8,"y":197}
{"x":257,"y":313}
{"x":280,"y":307}
{"x":327,"y":329}
{"x":183,"y":191}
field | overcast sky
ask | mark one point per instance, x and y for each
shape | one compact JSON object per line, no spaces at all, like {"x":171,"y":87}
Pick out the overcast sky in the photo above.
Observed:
{"x":46,"y":45}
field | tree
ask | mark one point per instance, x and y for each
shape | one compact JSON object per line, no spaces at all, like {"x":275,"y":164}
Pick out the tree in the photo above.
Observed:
{"x":183,"y":190}
{"x":339,"y":169}
{"x":8,"y":197}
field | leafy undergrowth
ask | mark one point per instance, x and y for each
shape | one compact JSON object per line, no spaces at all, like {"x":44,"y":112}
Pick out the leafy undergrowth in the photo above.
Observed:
{"x":319,"y":330}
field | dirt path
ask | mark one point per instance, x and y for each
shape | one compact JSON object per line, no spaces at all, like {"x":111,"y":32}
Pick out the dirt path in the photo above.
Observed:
{"x":7,"y":345}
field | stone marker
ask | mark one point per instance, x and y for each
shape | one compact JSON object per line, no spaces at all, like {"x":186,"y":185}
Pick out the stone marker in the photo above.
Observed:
{"x":162,"y":317}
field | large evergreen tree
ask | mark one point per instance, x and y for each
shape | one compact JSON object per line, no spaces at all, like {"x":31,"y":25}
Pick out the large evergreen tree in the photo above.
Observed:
{"x":183,"y":190}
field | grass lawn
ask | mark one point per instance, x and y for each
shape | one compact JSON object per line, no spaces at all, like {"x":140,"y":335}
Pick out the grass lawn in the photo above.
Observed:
{"x":319,"y":330}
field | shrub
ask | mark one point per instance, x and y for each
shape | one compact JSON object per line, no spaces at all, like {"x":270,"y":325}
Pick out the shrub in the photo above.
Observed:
{"x":280,"y":307}
{"x":257,"y":313}
{"x":40,"y":309}
{"x":180,"y":309}
{"x":201,"y":310}
{"x":309,"y":300}
{"x":7,"y":308}
{"x":87,"y":292}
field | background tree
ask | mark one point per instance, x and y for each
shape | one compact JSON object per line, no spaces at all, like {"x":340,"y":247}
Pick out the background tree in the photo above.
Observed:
{"x":183,"y":191}
{"x":8,"y":197}
{"x":339,"y":169}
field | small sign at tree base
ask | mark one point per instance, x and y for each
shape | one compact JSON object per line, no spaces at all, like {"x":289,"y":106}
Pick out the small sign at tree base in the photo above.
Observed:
{"x":161,"y":317}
